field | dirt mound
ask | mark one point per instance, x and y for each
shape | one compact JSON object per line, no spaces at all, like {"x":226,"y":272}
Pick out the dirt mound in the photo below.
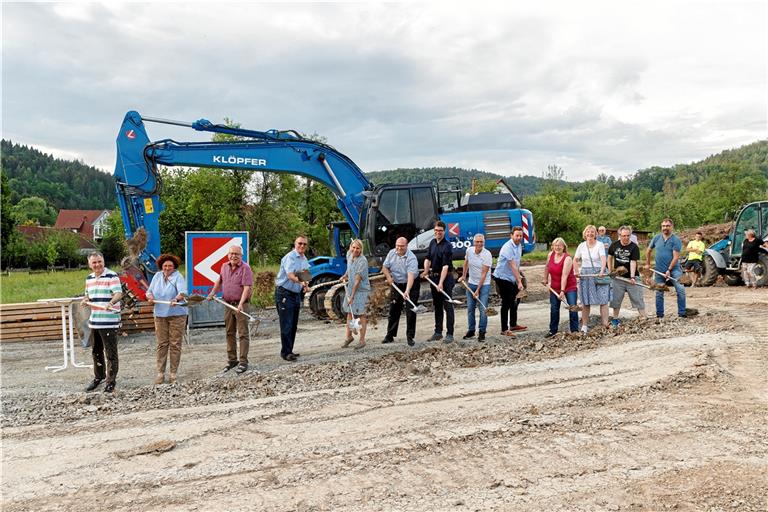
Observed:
{"x":712,"y":232}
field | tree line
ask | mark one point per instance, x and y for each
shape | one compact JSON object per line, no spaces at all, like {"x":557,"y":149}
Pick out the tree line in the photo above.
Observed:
{"x":274,"y":207}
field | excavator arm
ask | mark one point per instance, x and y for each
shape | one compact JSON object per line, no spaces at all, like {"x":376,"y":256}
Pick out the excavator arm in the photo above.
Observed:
{"x":138,"y":181}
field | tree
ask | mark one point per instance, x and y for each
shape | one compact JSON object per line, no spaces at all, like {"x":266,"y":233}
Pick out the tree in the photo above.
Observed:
{"x":36,"y":210}
{"x":556,"y":214}
{"x":112,"y":244}
{"x":6,"y":216}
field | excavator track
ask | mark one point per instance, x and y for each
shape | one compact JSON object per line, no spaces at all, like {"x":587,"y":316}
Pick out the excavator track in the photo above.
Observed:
{"x":325,"y":299}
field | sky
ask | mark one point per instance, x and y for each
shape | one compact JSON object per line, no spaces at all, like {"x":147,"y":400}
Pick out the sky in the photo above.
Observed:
{"x":590,"y":86}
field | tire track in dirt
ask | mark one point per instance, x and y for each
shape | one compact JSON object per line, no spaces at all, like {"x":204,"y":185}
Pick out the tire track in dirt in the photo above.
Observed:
{"x":479,"y":399}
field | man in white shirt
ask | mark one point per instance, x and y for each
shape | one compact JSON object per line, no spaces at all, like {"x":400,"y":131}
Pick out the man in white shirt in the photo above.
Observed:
{"x":477,"y":263}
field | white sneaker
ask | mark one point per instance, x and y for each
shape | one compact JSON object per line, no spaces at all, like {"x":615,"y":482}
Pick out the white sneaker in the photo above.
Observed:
{"x":584,"y":329}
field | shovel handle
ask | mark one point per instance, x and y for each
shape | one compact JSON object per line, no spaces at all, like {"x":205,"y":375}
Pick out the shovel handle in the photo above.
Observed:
{"x":233,"y":308}
{"x":403,"y":295}
{"x":630,"y":282}
{"x":464,"y":283}
{"x":103,"y":307}
{"x":450,"y":299}
{"x":170,"y":302}
{"x":663,"y":274}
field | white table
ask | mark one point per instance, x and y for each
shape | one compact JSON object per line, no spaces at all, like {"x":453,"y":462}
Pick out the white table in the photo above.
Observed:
{"x":67,"y":332}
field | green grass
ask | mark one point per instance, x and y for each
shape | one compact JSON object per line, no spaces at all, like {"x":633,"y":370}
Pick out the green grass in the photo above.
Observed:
{"x":535,"y":257}
{"x":24,"y":287}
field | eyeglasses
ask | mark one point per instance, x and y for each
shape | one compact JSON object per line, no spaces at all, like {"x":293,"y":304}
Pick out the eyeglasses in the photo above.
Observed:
{"x":666,"y":225}
{"x":235,"y":254}
{"x":301,"y":243}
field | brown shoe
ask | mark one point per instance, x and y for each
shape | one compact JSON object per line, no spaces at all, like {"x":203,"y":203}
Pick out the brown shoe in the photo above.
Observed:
{"x":160,"y":379}
{"x":172,"y":378}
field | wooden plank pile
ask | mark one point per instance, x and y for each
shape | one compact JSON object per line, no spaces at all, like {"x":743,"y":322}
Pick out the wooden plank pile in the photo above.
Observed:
{"x":37,"y":321}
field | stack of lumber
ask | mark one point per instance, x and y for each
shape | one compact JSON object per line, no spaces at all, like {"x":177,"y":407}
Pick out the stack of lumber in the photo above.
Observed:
{"x":39,"y":321}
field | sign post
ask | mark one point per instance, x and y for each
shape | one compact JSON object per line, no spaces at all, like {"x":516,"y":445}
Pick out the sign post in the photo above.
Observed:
{"x":205,"y":253}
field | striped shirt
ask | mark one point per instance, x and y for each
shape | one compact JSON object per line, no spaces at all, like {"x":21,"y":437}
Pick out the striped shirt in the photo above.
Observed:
{"x":99,"y":291}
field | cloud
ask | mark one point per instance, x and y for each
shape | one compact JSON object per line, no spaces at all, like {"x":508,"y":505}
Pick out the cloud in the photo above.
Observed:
{"x":592,"y":86}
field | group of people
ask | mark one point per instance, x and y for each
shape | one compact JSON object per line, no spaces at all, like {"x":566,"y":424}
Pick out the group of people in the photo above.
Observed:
{"x":599,"y":273}
{"x":166,"y":293}
{"x":401,"y":271}
{"x":602,"y":271}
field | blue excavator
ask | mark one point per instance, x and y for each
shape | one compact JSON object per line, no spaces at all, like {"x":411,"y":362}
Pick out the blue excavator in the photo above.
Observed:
{"x":378,"y":214}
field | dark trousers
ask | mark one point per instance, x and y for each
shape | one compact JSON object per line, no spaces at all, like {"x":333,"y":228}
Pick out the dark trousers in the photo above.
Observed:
{"x":288,"y":304}
{"x":508,"y":293}
{"x":105,"y":340}
{"x":397,"y":303}
{"x":441,"y":304}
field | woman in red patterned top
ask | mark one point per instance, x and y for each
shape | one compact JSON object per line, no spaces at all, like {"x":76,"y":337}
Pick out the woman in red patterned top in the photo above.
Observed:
{"x":558,"y":275}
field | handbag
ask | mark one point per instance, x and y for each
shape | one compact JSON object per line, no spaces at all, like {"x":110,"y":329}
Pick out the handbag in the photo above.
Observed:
{"x":599,"y":280}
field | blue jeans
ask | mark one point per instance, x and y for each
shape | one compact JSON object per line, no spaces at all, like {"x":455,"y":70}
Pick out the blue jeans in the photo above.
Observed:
{"x":554,"y":312}
{"x":288,"y":304}
{"x":471,"y":303}
{"x":679,"y":289}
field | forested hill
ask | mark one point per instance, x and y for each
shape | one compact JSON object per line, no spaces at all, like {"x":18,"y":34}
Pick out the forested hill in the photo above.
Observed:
{"x":522,"y":185}
{"x":62,"y":183}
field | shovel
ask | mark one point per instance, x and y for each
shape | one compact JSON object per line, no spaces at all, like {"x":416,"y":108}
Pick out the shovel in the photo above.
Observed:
{"x":416,"y":309}
{"x":253,"y":322}
{"x":354,"y":322}
{"x":448,"y":297}
{"x":572,"y":308}
{"x":488,"y":311}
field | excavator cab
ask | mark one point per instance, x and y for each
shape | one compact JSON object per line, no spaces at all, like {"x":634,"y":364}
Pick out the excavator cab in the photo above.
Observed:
{"x":399,"y":210}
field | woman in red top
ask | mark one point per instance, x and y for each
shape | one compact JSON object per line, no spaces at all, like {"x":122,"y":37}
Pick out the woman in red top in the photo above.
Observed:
{"x":558,"y":275}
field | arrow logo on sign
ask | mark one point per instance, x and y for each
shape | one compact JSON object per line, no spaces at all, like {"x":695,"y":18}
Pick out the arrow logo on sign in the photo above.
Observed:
{"x":205,"y":267}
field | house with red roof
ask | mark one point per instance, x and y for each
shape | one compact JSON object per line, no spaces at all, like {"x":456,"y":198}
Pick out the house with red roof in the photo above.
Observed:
{"x":88,"y":223}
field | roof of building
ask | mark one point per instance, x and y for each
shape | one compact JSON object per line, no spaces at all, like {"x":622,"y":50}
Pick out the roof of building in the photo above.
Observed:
{"x":78,"y":220}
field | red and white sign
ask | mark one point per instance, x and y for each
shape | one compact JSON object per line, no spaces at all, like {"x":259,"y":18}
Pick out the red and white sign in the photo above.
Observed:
{"x":526,"y":232}
{"x":130,"y":134}
{"x":453,"y":229}
{"x":206,"y":252}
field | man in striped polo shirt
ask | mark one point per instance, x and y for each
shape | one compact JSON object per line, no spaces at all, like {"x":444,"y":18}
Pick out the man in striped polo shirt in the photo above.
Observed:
{"x":103,"y":291}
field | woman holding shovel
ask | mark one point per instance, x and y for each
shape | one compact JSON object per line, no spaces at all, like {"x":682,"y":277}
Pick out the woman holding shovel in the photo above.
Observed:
{"x":167,"y":288}
{"x":477,"y":262}
{"x":559,"y":278}
{"x":357,"y":290}
{"x":590,"y":259}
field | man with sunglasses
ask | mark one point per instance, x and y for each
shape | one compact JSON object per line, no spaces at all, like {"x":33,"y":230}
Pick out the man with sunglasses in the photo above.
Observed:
{"x":288,"y":290}
{"x":235,"y":283}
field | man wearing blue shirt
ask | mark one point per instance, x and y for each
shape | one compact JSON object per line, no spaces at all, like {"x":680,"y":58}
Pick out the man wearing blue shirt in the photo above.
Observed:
{"x":288,"y":290}
{"x":509,"y":282}
{"x":401,"y":268}
{"x":667,"y":261}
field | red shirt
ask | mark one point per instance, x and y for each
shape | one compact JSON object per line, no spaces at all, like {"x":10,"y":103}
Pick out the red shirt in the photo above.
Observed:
{"x":233,"y":280}
{"x":556,"y":271}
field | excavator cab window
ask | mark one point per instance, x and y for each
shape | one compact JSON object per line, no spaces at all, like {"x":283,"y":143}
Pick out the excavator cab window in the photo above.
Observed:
{"x":403,"y":211}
